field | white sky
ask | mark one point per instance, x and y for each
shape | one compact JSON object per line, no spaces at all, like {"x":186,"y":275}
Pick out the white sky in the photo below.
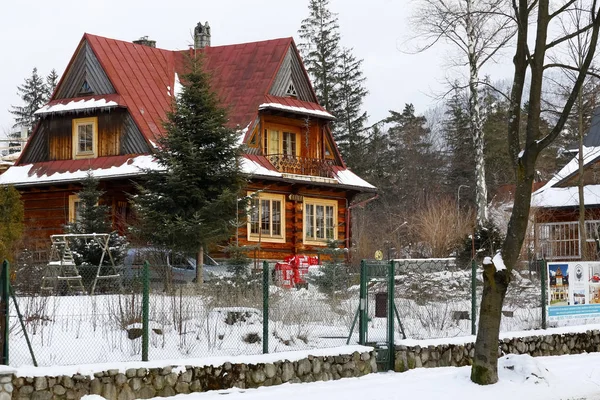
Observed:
{"x":44,"y":34}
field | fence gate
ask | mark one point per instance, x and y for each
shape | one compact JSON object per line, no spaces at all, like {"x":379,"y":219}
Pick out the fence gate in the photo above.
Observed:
{"x":376,"y":310}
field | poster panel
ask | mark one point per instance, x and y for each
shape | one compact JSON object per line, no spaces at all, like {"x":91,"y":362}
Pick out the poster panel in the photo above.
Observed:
{"x":573,"y":290}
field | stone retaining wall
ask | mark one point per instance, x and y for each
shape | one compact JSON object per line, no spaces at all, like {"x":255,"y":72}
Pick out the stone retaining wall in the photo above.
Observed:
{"x":144,"y":383}
{"x":458,"y":355}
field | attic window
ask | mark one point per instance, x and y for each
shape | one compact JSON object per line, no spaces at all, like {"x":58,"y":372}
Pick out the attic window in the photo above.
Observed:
{"x":291,"y":90}
{"x":86,"y":88}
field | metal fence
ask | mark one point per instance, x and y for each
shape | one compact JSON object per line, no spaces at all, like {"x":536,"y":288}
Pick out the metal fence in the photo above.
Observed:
{"x":157,"y":314}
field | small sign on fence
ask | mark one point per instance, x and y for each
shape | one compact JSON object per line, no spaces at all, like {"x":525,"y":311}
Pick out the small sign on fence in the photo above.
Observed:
{"x":573,"y":290}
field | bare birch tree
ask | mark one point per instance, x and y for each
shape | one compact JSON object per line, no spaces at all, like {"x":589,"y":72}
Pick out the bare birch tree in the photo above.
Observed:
{"x":479,"y":29}
{"x":530,"y":65}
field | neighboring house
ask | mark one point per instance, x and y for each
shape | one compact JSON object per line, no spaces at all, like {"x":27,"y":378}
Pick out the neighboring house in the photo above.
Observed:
{"x":107,"y":113}
{"x":556,"y":205}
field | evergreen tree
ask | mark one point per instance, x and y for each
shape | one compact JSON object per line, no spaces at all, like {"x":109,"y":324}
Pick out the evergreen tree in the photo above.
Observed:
{"x":51,"y":82}
{"x":93,"y":217}
{"x":191,"y":203}
{"x":460,"y":147}
{"x":11,"y":222}
{"x":417,"y":167}
{"x":33,"y":93}
{"x":350,"y":119}
{"x":320,"y":50}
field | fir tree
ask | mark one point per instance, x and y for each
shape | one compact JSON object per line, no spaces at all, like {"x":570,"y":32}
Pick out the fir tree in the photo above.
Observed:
{"x":93,"y":217}
{"x":33,"y":93}
{"x":350,"y":119}
{"x":460,"y":146}
{"x":191,"y":203}
{"x":320,"y":49}
{"x":51,"y":82}
{"x":11,"y":222}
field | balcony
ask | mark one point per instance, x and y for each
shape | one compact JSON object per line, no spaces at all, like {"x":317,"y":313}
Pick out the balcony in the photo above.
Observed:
{"x":302,"y":165}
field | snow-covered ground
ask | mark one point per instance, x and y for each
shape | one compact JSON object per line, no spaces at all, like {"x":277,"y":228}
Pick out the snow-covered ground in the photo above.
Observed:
{"x":521,"y":378}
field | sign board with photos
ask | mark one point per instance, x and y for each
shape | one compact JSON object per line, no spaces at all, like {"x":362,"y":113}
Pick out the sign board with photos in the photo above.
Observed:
{"x":573,"y":290}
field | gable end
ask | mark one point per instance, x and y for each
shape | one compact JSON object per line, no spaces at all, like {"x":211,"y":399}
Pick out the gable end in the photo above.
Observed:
{"x":292,"y":72}
{"x":84,"y":71}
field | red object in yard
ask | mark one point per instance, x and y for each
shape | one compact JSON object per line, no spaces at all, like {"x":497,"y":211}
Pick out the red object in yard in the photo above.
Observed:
{"x":292,"y":271}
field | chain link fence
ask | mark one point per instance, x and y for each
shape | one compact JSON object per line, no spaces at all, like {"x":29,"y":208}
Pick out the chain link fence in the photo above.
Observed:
{"x":224,"y":315}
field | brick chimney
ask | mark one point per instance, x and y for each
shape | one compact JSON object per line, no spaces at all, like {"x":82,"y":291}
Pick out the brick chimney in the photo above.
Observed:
{"x":144,"y":41}
{"x":202,"y":35}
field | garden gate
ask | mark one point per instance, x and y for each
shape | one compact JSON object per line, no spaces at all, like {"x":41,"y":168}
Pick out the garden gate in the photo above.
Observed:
{"x":376,"y":323}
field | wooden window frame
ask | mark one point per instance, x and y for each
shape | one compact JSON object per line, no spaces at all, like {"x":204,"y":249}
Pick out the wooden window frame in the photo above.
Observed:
{"x":319,"y":202}
{"x":73,"y":201}
{"x":85,"y":121}
{"x":281,"y":129}
{"x":261,"y":237}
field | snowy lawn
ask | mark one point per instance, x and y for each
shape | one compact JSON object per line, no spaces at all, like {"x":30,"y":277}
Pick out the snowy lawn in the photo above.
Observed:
{"x":521,"y":377}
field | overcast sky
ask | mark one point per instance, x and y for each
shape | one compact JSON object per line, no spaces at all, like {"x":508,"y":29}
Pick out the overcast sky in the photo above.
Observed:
{"x":44,"y":34}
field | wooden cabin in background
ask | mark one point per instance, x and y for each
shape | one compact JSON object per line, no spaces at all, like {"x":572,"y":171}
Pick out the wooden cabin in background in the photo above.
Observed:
{"x":107,"y":114}
{"x":556,"y":206}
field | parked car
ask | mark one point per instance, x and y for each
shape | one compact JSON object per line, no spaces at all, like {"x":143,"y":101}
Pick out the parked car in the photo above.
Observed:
{"x":166,"y":267}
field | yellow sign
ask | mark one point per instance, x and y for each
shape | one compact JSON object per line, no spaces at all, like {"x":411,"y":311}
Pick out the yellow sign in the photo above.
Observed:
{"x":379,"y":255}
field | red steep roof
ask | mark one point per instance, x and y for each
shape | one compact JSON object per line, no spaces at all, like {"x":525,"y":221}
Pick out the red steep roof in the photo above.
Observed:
{"x":241,"y":75}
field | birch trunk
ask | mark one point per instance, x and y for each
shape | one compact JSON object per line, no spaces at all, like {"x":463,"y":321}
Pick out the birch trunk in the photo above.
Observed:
{"x":476,"y":121}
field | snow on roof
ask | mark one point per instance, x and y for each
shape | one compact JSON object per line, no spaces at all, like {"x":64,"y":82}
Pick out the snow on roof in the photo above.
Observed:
{"x":177,"y":86}
{"x":21,"y":176}
{"x":298,"y":110}
{"x":552,"y":197}
{"x":251,"y":167}
{"x":76,"y":105}
{"x":549,"y":196}
{"x":12,"y":156}
{"x":347,"y":177}
{"x":29,"y":174}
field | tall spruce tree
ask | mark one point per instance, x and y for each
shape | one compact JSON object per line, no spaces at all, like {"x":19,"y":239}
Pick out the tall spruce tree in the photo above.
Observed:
{"x":461,"y":150}
{"x":351,"y":119}
{"x":51,"y":82}
{"x":191,"y":203}
{"x":320,"y":50}
{"x":33,"y":93}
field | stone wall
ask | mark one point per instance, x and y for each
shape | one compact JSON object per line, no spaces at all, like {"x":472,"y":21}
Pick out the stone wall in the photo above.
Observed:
{"x":458,"y":355}
{"x":144,"y":383}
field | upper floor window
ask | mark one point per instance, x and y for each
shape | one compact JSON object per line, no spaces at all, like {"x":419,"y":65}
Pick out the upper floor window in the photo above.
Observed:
{"x":281,"y":141}
{"x":85,"y":137}
{"x":266,"y":218}
{"x":320,"y":220}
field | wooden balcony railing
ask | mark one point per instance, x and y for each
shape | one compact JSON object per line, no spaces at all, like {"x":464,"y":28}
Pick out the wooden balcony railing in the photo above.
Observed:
{"x":302,"y":165}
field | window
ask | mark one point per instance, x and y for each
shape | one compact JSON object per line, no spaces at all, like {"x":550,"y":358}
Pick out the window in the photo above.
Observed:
{"x":320,"y":220}
{"x":85,"y":137}
{"x":283,"y":141}
{"x":266,"y":218}
{"x":74,"y":209}
{"x":291,"y":90}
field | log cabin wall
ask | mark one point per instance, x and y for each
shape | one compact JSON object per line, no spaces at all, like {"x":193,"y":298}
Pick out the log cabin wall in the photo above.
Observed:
{"x":565,"y":215}
{"x":294,"y":220}
{"x":46,"y":209}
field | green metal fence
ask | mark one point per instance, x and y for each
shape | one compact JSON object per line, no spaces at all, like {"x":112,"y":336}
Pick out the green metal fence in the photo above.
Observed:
{"x":151,"y":315}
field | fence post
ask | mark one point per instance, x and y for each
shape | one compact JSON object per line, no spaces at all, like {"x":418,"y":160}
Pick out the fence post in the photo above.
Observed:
{"x":265,"y":277}
{"x":473,"y":297}
{"x":362,"y":305}
{"x":145,"y":310}
{"x":4,"y":310}
{"x":543,"y":271}
{"x":390,"y":315}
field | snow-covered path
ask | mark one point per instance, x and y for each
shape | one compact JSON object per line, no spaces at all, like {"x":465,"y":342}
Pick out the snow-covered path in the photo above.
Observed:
{"x":527,"y":378}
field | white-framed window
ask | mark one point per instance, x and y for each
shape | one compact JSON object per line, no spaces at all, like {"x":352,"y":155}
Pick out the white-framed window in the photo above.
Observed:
{"x":74,"y":208}
{"x":320,"y":220}
{"x":266,"y":218}
{"x":85,"y":137}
